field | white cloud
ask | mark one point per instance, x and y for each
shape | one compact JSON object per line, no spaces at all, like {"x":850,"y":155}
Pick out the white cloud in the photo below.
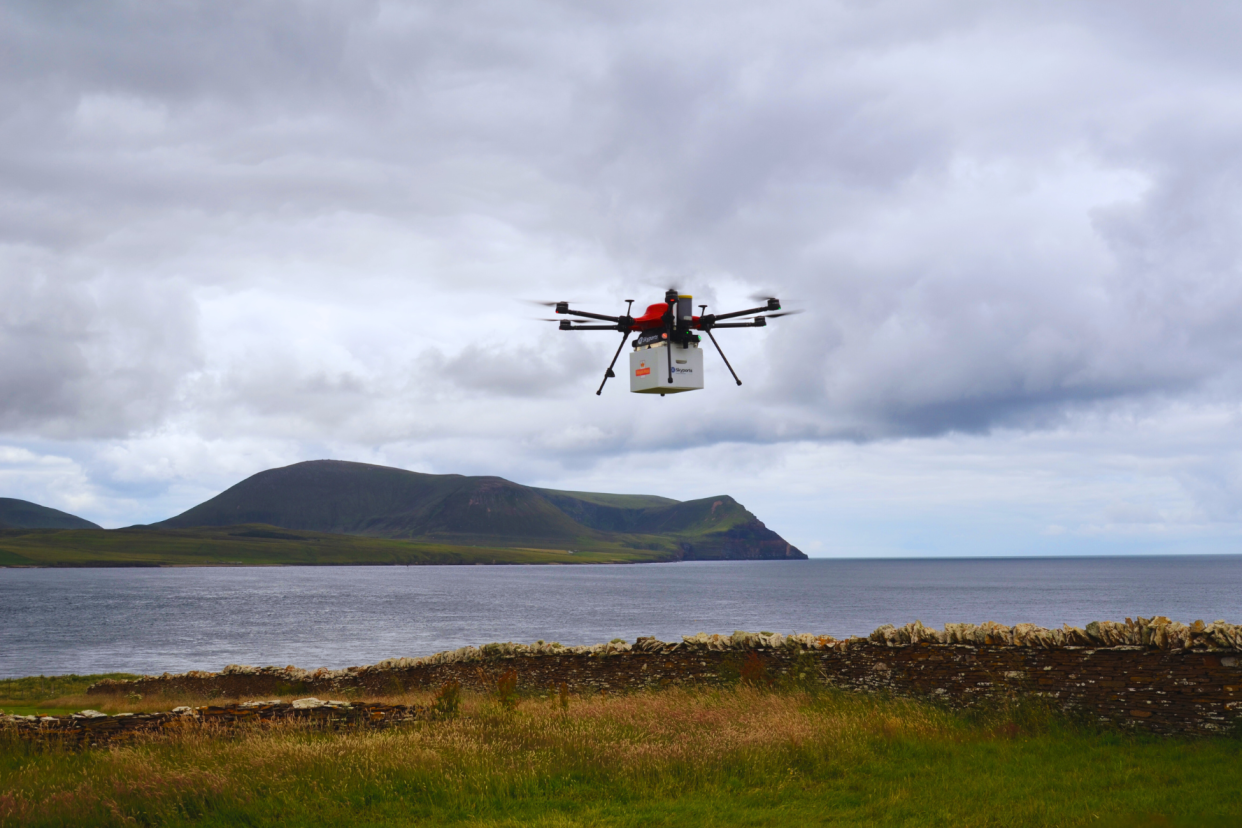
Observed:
{"x":46,"y":479}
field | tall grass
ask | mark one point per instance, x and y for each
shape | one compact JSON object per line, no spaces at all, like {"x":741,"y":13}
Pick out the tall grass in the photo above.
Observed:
{"x":745,"y":755}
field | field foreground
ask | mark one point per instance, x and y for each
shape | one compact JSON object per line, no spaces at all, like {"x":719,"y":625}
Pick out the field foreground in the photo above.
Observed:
{"x":739,"y":756}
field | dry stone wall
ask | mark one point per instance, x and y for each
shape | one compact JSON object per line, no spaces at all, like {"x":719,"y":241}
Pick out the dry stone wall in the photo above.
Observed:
{"x":1153,"y":674}
{"x":90,"y":727}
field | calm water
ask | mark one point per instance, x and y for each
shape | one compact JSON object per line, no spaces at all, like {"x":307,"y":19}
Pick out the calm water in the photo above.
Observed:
{"x":151,"y":620}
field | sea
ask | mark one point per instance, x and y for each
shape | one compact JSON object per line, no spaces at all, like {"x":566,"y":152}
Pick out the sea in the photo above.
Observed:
{"x":148,"y":620}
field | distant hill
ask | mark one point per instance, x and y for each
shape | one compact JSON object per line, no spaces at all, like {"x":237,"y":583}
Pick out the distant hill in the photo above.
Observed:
{"x":339,"y":497}
{"x":22,"y":514}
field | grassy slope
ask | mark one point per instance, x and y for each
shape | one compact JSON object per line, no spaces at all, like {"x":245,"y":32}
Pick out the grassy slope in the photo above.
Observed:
{"x":698,"y":518}
{"x":22,"y":514}
{"x":362,"y":499}
{"x":266,"y":545}
{"x":678,"y":757}
{"x":323,"y":496}
{"x":617,"y":501}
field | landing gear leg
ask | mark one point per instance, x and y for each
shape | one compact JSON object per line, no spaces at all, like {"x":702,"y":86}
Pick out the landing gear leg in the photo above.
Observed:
{"x":609,"y":372}
{"x":722,"y":356}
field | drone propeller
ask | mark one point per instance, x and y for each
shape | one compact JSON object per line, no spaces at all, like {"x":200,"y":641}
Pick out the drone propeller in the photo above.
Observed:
{"x":771,"y":314}
{"x":784,"y":313}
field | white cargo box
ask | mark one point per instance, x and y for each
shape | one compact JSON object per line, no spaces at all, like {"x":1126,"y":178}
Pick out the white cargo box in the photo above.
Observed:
{"x":649,"y":369}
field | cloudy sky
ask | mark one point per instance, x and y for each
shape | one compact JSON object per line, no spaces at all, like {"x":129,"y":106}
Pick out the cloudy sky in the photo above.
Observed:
{"x":237,"y":236}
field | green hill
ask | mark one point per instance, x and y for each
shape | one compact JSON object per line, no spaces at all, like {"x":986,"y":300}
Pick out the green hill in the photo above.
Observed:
{"x":22,"y":514}
{"x":333,"y":496}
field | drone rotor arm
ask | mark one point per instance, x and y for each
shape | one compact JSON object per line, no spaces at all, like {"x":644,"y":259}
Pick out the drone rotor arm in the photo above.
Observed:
{"x":772,"y":305}
{"x":589,"y":315}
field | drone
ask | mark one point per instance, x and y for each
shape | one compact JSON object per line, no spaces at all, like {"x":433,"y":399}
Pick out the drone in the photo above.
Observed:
{"x":666,"y":358}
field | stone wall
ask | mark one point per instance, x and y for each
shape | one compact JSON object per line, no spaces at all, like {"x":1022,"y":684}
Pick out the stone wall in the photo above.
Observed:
{"x":90,"y":727}
{"x":1153,"y":674}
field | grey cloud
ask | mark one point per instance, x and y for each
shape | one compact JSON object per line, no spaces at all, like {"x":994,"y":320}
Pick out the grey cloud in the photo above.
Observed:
{"x":521,"y":371}
{"x":995,"y":216}
{"x":85,"y":359}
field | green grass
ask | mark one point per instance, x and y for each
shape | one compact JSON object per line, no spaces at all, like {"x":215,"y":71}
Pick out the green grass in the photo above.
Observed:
{"x":616,"y":501}
{"x":35,"y":689}
{"x":257,"y":545}
{"x":47,"y":695}
{"x":678,"y":757}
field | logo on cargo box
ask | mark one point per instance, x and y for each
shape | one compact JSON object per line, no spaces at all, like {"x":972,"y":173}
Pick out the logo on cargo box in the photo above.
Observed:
{"x":643,"y":370}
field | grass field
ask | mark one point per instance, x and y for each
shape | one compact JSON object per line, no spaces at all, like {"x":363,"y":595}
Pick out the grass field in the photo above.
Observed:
{"x":677,"y":757}
{"x":50,"y":695}
{"x":268,"y":546}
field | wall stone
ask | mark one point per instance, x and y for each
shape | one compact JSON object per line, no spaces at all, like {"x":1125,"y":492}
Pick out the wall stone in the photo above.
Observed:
{"x":90,"y":727}
{"x":1152,"y":674}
